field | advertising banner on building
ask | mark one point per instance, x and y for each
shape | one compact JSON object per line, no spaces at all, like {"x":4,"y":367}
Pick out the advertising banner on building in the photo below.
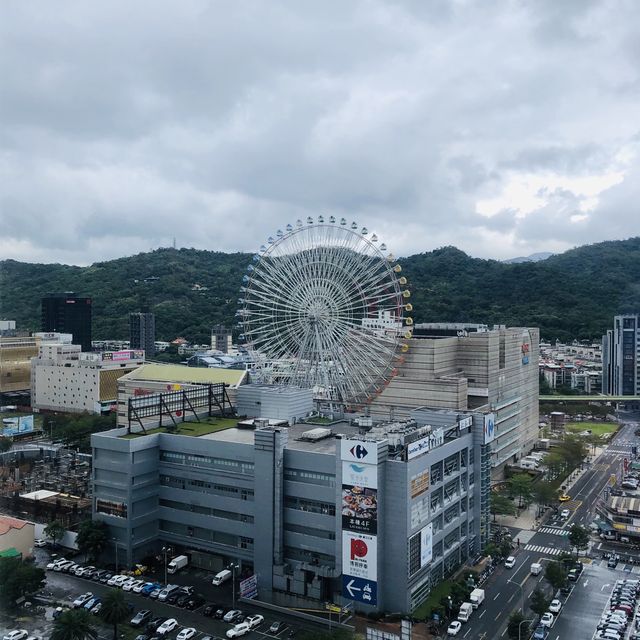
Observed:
{"x":249,"y":587}
{"x":359,"y":451}
{"x":419,"y":483}
{"x":426,"y":545}
{"x":17,"y":425}
{"x":365,"y":591}
{"x":359,"y":509}
{"x":489,"y":427}
{"x":362,"y":475}
{"x":425,"y":444}
{"x":359,"y":555}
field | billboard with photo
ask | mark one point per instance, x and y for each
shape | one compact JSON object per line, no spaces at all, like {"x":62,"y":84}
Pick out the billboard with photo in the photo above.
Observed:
{"x":359,"y":555}
{"x":16,"y":425}
{"x":359,"y":509}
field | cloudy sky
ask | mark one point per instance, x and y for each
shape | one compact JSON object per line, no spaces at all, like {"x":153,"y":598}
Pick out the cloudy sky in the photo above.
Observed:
{"x":503,"y":128}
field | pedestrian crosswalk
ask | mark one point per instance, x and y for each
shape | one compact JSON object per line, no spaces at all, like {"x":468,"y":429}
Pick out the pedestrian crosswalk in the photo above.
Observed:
{"x":551,"y":551}
{"x":553,"y":531}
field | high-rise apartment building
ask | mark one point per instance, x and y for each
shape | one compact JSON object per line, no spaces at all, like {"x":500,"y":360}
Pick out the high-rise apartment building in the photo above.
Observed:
{"x":67,"y":313}
{"x":142,"y":332}
{"x":621,"y":357}
{"x":221,"y":338}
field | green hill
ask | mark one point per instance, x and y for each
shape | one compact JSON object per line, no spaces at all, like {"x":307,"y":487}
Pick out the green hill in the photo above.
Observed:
{"x":574,"y":294}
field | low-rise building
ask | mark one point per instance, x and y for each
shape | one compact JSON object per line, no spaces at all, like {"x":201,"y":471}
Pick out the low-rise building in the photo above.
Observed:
{"x":63,"y":378}
{"x":16,"y":536}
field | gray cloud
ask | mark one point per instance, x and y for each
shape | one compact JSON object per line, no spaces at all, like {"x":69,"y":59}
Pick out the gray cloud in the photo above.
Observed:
{"x":124,"y":124}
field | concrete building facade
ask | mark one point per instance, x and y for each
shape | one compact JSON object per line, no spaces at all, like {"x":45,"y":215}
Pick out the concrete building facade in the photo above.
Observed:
{"x":621,"y":357}
{"x":375,"y":516}
{"x":63,"y":378}
{"x":467,"y":367}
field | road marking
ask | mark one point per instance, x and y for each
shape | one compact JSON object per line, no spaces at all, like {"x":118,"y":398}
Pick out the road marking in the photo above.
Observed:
{"x":496,"y":596}
{"x":468,"y":632}
{"x":512,"y":597}
{"x":480,"y":616}
{"x":505,"y":631}
{"x":540,"y":549}
{"x":497,"y":617}
{"x":585,"y":583}
{"x":604,"y":586}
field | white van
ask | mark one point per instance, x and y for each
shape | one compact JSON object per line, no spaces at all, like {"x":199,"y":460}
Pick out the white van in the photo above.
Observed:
{"x":221,"y":577}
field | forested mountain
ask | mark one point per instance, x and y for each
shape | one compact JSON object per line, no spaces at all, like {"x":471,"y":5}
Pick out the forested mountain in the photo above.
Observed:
{"x":570,"y":295}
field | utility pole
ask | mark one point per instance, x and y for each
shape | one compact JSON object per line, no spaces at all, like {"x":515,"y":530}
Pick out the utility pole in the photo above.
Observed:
{"x":233,"y":566}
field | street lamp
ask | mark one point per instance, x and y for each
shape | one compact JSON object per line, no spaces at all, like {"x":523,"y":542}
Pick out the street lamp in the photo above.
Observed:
{"x":233,"y":566}
{"x":521,"y":623}
{"x":166,"y":550}
{"x":521,"y":591}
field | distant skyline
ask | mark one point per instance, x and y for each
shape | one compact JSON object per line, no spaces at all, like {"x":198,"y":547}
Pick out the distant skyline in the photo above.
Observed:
{"x":504,"y":129}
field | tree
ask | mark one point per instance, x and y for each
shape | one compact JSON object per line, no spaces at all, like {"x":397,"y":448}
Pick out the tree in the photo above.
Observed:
{"x":579,"y":537}
{"x":502,"y":506}
{"x":513,"y":626}
{"x":114,"y":610}
{"x":55,"y":532}
{"x":519,"y":486}
{"x":543,"y":493}
{"x":18,"y":579}
{"x":75,"y":624}
{"x":5,"y":444}
{"x":93,"y":538}
{"x":539,"y":603}
{"x":556,"y":575}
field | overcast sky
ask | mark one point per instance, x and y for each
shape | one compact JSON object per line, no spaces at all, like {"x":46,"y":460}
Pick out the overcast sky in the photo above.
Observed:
{"x":503,"y":128}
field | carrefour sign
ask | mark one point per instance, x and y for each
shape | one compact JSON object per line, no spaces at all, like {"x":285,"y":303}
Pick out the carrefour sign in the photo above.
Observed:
{"x":359,"y":451}
{"x":489,"y":427}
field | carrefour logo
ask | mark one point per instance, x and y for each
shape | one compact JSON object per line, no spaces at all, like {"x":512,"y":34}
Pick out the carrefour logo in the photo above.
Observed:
{"x":358,"y":452}
{"x":489,"y":428}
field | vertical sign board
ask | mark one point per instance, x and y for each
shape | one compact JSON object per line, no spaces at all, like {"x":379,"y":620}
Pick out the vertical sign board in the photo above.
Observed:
{"x":489,"y":427}
{"x":249,"y":587}
{"x":426,"y":545}
{"x":359,"y":510}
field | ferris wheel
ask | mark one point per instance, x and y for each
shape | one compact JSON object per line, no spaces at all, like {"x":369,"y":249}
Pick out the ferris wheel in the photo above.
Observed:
{"x":323,"y":307}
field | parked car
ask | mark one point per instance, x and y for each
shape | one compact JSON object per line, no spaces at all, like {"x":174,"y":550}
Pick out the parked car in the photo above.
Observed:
{"x":39,"y":542}
{"x":238,"y":630}
{"x":155,"y":593}
{"x":254,"y":621}
{"x":132,"y":584}
{"x":547,"y":619}
{"x":96,"y":575}
{"x":139,"y":587}
{"x":186,"y":634}
{"x":221,"y":612}
{"x":234,"y":615}
{"x":142,"y":617}
{"x":454,"y":628}
{"x":92,"y":602}
{"x":62,"y":565}
{"x":97,"y":609}
{"x":154,"y":623}
{"x":106,"y":577}
{"x":555,"y":606}
{"x":276,"y":627}
{"x":209,"y":609}
{"x":167,"y":626}
{"x":148,"y":587}
{"x":540,"y":633}
{"x":82,"y":599}
{"x":17,"y":634}
{"x":194,"y":602}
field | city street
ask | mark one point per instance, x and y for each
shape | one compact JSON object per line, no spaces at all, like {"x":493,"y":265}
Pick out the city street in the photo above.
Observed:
{"x":509,"y":589}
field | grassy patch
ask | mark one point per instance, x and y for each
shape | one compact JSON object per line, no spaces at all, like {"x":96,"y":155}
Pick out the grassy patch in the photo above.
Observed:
{"x":596,"y":428}
{"x":441,"y":590}
{"x":208,"y":425}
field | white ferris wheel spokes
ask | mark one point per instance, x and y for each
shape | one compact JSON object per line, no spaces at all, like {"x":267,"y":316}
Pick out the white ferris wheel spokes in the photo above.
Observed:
{"x":322,"y":307}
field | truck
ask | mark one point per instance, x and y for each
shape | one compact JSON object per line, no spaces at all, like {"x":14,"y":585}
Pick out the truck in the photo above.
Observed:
{"x":536,"y":568}
{"x":221,"y":577}
{"x":177,"y":563}
{"x":466,"y":609}
{"x":528,"y":463}
{"x":477,"y":597}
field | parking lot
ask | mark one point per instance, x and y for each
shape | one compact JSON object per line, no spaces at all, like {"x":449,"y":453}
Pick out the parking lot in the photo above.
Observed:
{"x":64,"y":588}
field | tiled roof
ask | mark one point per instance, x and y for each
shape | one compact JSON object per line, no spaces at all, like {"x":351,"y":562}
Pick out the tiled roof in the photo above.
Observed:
{"x":7,"y":523}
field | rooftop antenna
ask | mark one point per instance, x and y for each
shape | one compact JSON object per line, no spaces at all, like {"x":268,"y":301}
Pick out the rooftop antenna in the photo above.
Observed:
{"x":174,"y":242}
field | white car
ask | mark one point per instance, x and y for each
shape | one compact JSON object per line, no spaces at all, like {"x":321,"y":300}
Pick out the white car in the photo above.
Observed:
{"x":118,"y":581}
{"x":454,"y":628}
{"x":167,"y":626}
{"x":230,"y":615}
{"x":53,"y":563}
{"x":509,"y":562}
{"x":555,"y":606}
{"x":139,"y":587}
{"x":80,"y":601}
{"x":186,"y":634}
{"x":18,"y":634}
{"x":565,"y":513}
{"x":254,"y":621}
{"x":547,"y":619}
{"x":238,"y":630}
{"x":39,"y":542}
{"x":132,"y":584}
{"x":59,"y":566}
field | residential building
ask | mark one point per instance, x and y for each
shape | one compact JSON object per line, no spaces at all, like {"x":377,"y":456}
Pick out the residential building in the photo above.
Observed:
{"x":64,"y":378}
{"x":470,"y":367}
{"x":68,"y":313}
{"x":142,"y":332}
{"x":621,"y":357}
{"x":378,"y":514}
{"x":221,"y":338}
